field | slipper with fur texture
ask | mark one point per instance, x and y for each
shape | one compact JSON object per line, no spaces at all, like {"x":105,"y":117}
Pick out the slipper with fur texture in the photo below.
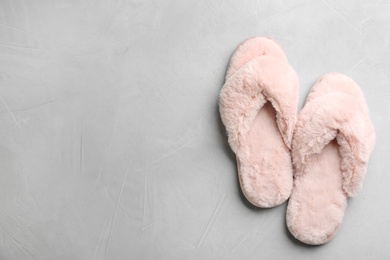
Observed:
{"x":258,"y":106}
{"x":331,"y":146}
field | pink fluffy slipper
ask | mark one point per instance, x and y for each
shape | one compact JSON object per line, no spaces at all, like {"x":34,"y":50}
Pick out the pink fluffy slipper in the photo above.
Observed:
{"x":332,"y":142}
{"x":258,"y":106}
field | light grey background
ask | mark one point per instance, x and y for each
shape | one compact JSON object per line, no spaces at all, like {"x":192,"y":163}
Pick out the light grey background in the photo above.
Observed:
{"x":111,"y":144}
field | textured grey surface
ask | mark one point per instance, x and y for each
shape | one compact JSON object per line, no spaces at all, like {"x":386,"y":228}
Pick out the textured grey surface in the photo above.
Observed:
{"x":111,"y":146}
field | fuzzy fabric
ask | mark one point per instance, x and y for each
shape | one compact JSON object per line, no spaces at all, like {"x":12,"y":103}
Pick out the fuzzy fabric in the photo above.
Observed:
{"x":258,"y":106}
{"x":332,"y":142}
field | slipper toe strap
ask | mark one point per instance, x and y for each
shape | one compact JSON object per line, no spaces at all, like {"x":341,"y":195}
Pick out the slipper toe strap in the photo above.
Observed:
{"x":265,"y":78}
{"x":335,"y":116}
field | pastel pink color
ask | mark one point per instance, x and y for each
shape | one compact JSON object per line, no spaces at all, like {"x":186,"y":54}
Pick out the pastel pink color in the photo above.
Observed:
{"x":332,"y":142}
{"x":258,"y":106}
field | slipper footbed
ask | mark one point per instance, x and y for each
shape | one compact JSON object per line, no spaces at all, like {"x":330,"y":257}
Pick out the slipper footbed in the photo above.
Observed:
{"x":331,"y":146}
{"x":258,"y":107}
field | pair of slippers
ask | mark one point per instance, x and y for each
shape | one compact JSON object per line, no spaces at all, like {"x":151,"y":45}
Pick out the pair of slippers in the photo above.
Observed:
{"x":316,"y":159}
